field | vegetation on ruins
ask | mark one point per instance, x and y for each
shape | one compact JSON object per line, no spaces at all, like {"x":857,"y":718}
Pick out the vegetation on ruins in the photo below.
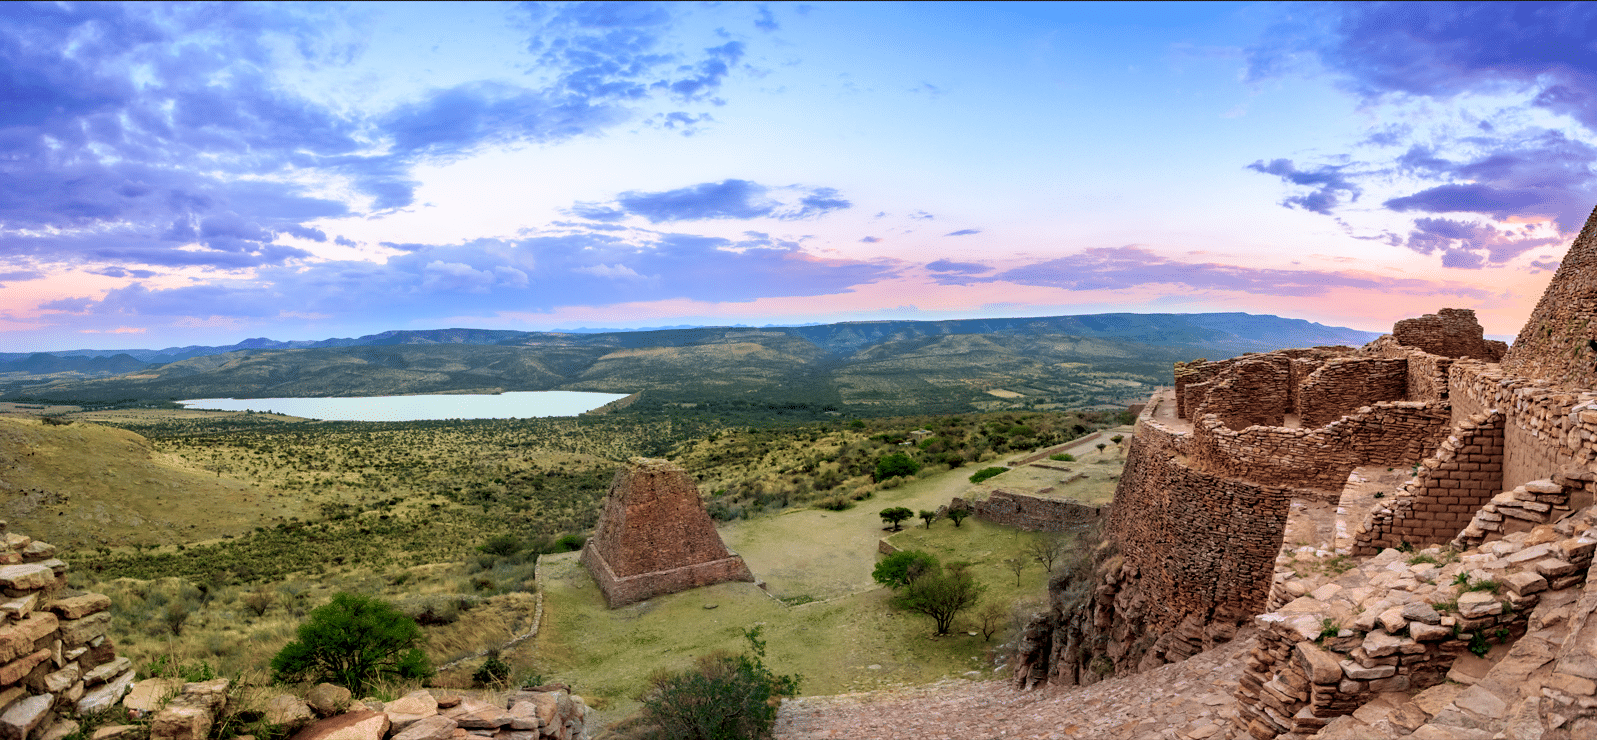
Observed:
{"x":353,"y":641}
{"x":986,"y":473}
{"x":722,"y":697}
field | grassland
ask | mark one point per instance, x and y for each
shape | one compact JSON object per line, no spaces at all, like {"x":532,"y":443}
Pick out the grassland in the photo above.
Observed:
{"x":402,"y":511}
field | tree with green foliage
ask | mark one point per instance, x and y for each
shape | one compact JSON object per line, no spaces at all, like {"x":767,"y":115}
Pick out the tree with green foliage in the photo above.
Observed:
{"x":928,"y":517}
{"x":941,"y":595}
{"x":722,"y":697}
{"x":896,"y":514}
{"x":958,"y":515}
{"x":1117,"y":439}
{"x":899,"y":569}
{"x":1100,"y":447}
{"x":986,"y":473}
{"x":896,"y":464}
{"x":494,"y":671}
{"x":353,"y":641}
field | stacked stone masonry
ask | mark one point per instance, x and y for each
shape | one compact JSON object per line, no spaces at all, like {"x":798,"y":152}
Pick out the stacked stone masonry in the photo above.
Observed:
{"x":55,"y":657}
{"x":1463,"y":475}
{"x":654,"y":537}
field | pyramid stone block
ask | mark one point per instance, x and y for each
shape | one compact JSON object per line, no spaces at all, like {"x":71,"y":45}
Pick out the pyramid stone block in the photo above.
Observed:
{"x":655,"y":538}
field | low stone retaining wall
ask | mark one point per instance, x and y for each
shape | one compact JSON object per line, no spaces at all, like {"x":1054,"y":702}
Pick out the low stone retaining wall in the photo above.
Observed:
{"x":1031,"y":512}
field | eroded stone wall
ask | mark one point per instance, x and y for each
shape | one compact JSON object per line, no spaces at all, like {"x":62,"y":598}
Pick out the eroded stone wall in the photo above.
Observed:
{"x":1450,"y":332}
{"x":1341,"y":385}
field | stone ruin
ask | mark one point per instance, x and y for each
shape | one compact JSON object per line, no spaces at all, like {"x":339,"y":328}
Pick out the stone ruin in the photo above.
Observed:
{"x":654,"y":537}
{"x":54,"y":655}
{"x":1502,"y":443}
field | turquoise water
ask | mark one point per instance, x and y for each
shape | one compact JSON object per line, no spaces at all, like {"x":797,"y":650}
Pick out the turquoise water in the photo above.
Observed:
{"x":518,"y":405}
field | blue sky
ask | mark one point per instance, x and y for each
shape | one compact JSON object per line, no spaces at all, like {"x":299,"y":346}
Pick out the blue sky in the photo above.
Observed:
{"x":182,"y":174}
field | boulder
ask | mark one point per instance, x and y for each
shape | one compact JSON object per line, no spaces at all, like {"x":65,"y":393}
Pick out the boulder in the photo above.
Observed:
{"x":210,"y":694}
{"x":328,"y":699}
{"x":435,"y":727}
{"x":1477,"y":604}
{"x":410,"y":709}
{"x":150,"y":694}
{"x":59,"y":730}
{"x":180,"y":721}
{"x":26,"y":577}
{"x":80,"y":631}
{"x":112,"y":732}
{"x":287,"y":710}
{"x":357,"y":725}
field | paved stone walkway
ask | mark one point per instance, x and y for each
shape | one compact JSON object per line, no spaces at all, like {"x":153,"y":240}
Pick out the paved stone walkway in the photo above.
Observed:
{"x":1190,"y":700}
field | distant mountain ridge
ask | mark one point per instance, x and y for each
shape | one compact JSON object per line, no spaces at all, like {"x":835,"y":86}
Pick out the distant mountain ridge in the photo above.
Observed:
{"x":879,"y":367}
{"x":1242,"y":332}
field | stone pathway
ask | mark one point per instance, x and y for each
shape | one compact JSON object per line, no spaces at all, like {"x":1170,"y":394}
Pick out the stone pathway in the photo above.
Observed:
{"x":1190,"y":700}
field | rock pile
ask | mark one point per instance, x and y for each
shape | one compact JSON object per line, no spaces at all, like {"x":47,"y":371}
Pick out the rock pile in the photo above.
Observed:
{"x":541,"y":713}
{"x":54,"y":654}
{"x":1404,"y":622}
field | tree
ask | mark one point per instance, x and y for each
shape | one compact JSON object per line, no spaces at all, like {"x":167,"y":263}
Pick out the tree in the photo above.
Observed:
{"x":723,"y":697}
{"x":353,"y":641}
{"x":941,"y":595}
{"x":928,"y":517}
{"x":1046,"y":549}
{"x":958,"y":515}
{"x":902,"y":567}
{"x":895,"y":464}
{"x":991,"y":617}
{"x":1117,"y":438}
{"x":1100,"y":447}
{"x":896,"y":514}
{"x":1015,"y":565}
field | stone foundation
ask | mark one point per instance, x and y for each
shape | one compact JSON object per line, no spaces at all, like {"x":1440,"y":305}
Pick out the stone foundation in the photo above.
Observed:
{"x":620,"y":591}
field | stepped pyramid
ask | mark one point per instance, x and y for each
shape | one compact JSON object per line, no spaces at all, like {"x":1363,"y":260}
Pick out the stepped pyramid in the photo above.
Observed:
{"x":1559,"y":342}
{"x":655,"y":538}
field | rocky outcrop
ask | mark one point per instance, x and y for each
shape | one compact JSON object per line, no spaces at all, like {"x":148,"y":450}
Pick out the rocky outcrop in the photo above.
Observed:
{"x":654,"y":537}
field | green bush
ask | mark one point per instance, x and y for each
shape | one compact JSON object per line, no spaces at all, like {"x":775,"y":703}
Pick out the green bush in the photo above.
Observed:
{"x":894,"y":465}
{"x":1062,"y":457}
{"x":353,"y":641}
{"x":503,"y":545}
{"x":898,"y":569}
{"x":494,"y":671}
{"x":723,"y":697}
{"x":940,"y":595}
{"x":986,"y":473}
{"x":895,"y":515}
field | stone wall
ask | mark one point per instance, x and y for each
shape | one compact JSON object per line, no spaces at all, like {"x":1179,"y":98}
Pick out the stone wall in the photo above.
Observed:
{"x":1256,"y":389}
{"x":1450,"y":332}
{"x":1559,"y":341}
{"x":1391,"y":433}
{"x":54,"y":655}
{"x":1463,"y":475}
{"x":1341,"y":385}
{"x":1031,"y":512}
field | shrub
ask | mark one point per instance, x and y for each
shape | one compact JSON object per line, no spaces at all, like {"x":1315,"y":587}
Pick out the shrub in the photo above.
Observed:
{"x":902,"y":567}
{"x":895,"y":465}
{"x":494,"y":671}
{"x":928,"y":517}
{"x":958,"y":515}
{"x":503,"y":545}
{"x":986,"y":473}
{"x":353,"y":641}
{"x":1062,"y":457}
{"x":723,"y":697}
{"x":571,"y":542}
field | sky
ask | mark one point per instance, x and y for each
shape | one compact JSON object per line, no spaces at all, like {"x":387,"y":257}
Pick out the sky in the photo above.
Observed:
{"x":175,"y":174}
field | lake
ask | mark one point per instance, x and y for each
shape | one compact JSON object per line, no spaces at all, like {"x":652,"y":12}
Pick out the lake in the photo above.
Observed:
{"x":517,"y":405}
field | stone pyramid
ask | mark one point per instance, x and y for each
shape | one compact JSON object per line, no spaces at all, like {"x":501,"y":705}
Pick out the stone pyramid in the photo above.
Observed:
{"x":1559,"y":342}
{"x":655,"y":538}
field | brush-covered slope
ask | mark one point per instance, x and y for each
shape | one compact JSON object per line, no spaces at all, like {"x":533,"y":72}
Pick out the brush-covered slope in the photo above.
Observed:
{"x":83,"y":485}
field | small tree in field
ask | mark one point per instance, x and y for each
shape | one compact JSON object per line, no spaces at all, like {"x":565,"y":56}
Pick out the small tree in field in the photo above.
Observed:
{"x":928,"y":517}
{"x":902,"y":567}
{"x":1015,"y":565}
{"x":353,"y":641}
{"x":991,"y":617}
{"x":941,"y":596}
{"x":958,"y":515}
{"x":1100,"y":447}
{"x":1047,"y":548}
{"x":894,"y":516}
